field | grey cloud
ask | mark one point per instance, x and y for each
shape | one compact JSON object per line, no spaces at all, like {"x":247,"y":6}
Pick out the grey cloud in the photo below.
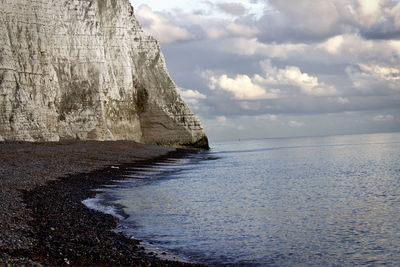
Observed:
{"x":360,"y":90}
{"x":222,"y":105}
{"x":235,"y":9}
{"x":187,"y":60}
{"x":162,"y":26}
{"x":303,"y":21}
{"x":377,"y":34}
{"x":325,"y":124}
{"x":309,"y":21}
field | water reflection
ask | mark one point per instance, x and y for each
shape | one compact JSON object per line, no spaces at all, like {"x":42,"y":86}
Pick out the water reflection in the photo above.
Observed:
{"x":305,"y":201}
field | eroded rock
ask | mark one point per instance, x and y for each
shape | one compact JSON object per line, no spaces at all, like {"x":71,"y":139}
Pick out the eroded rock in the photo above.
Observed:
{"x":84,"y":69}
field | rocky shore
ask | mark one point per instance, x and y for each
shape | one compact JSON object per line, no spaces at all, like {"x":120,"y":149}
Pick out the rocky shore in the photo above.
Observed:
{"x":42,"y":219}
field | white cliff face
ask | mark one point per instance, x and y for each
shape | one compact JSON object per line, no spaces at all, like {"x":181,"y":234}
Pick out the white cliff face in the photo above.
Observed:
{"x":84,"y":69}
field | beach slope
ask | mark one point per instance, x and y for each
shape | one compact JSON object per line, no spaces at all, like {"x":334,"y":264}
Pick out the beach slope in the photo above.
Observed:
{"x":42,"y":218}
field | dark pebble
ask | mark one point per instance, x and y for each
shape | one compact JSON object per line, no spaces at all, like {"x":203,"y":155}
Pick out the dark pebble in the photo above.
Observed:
{"x":65,"y":232}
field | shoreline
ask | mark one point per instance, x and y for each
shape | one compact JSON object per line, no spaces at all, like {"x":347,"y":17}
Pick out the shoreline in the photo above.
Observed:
{"x":44,"y":221}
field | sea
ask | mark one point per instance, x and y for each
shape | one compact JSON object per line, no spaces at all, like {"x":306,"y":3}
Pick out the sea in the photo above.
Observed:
{"x":310,"y":201}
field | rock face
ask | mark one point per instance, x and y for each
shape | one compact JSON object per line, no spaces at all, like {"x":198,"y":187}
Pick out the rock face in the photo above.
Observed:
{"x":84,"y":69}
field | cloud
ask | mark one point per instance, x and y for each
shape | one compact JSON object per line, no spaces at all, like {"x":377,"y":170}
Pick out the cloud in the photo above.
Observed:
{"x":296,"y":124}
{"x":269,"y":117}
{"x":160,"y":26}
{"x":394,"y":13}
{"x":290,"y":21}
{"x":242,"y":30}
{"x":292,"y":75}
{"x":391,"y":75}
{"x":382,"y":118}
{"x":192,"y":94}
{"x":343,"y":48}
{"x":192,"y":97}
{"x":367,"y":12}
{"x":332,"y":45}
{"x":345,"y":57}
{"x":283,"y":22}
{"x":242,"y":87}
{"x":382,"y":79}
{"x":201,"y":26}
{"x":222,"y":119}
{"x":216,"y":33}
{"x":234,"y":9}
{"x":343,"y":100}
{"x":273,"y":84}
{"x":354,"y":48}
{"x":395,"y":44}
{"x":252,"y":46}
{"x":325,"y":18}
{"x":232,"y":29}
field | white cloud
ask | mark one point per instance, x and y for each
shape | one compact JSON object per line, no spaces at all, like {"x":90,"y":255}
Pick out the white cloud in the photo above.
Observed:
{"x":367,"y":12}
{"x":269,"y":117}
{"x":242,"y":30}
{"x":192,"y":94}
{"x":381,"y":118}
{"x":245,"y":105}
{"x":272,"y":117}
{"x":192,"y":97}
{"x":307,"y":83}
{"x":160,"y":26}
{"x":332,"y":45}
{"x":292,"y":75}
{"x":222,"y":119}
{"x":394,"y":13}
{"x":353,"y":48}
{"x":370,"y":77}
{"x":211,"y":78}
{"x":216,"y":33}
{"x":220,"y":8}
{"x":173,"y":25}
{"x":389,"y":74}
{"x":296,"y":124}
{"x":395,"y":44}
{"x":246,"y":46}
{"x":331,"y":17}
{"x":164,"y":4}
{"x":240,"y":127}
{"x":243,"y":88}
{"x":226,"y":29}
{"x":343,"y":100}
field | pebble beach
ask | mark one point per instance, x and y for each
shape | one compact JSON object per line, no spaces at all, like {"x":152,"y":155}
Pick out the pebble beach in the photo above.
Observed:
{"x":42,"y":218}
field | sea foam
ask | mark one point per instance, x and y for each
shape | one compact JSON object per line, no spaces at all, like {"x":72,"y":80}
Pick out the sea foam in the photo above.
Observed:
{"x":96,"y":204}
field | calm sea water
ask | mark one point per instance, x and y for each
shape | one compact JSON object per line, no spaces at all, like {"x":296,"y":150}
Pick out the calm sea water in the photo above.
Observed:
{"x":331,"y":201}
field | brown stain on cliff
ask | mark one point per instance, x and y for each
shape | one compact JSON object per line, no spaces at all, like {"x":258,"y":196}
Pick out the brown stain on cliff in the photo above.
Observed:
{"x":86,"y":70}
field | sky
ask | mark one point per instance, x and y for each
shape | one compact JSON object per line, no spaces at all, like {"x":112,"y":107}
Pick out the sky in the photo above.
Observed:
{"x":282,"y":68}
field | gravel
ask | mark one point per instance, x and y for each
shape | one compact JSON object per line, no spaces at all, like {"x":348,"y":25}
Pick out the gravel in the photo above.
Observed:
{"x":42,"y":219}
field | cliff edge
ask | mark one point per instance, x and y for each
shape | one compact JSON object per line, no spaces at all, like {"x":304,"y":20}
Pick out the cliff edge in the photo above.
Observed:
{"x":84,"y":69}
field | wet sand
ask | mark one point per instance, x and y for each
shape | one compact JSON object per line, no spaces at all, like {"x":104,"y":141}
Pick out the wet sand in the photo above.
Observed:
{"x":42,"y":219}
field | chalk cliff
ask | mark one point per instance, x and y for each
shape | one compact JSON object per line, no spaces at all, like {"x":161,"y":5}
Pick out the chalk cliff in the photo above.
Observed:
{"x":84,"y":69}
